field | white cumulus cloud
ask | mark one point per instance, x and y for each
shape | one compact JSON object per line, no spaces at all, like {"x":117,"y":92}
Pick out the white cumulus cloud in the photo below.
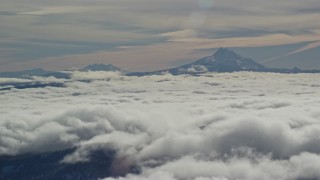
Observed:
{"x":212,"y":127}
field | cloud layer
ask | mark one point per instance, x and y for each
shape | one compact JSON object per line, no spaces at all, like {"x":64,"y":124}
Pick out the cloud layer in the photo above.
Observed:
{"x":217,"y":126}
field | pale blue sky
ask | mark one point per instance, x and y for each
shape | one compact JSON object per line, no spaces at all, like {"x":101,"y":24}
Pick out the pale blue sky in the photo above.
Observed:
{"x":145,"y":34}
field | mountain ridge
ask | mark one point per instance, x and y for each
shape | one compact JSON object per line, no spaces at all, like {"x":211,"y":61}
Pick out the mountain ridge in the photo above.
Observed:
{"x":223,"y":60}
{"x":26,"y":74}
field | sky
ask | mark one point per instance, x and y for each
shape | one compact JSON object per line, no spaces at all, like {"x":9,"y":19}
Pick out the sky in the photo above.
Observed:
{"x":144,"y":35}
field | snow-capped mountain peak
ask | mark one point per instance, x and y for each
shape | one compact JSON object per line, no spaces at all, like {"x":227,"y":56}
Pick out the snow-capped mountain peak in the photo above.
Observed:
{"x":225,"y":60}
{"x":101,"y":67}
{"x":225,"y":54}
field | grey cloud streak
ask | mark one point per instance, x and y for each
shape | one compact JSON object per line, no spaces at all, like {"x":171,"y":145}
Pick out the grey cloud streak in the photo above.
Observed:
{"x":217,"y":126}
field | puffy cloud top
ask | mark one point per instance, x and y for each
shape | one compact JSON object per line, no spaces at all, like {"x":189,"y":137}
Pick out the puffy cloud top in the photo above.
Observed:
{"x":217,"y":126}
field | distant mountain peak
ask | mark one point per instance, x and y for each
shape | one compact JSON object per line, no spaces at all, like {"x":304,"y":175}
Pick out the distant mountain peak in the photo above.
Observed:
{"x":101,"y":67}
{"x":224,"y":50}
{"x":226,"y":54}
{"x":223,"y":60}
